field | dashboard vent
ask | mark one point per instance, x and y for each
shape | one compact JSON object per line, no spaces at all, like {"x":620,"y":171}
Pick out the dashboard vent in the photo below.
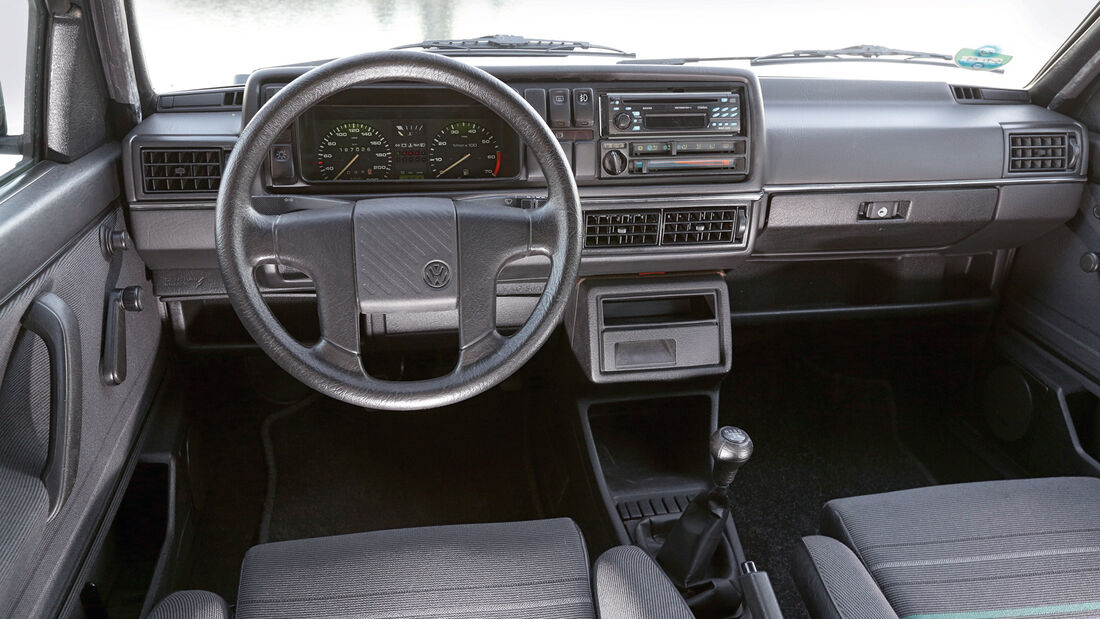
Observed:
{"x":725,"y":225}
{"x":1039,"y":152}
{"x":622,"y":228}
{"x":181,"y":170}
{"x":702,"y":226}
{"x":967,"y":93}
{"x":982,"y":95}
{"x":208,"y":100}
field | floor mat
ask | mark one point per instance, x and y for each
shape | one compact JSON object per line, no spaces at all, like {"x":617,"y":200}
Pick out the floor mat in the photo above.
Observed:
{"x":818,"y":435}
{"x":337,"y":469}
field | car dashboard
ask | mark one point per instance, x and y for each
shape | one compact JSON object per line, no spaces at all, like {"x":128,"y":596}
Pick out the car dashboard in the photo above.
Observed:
{"x":806,"y":197}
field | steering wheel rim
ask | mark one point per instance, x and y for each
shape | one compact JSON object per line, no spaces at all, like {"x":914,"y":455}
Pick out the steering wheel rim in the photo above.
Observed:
{"x":246,"y":238}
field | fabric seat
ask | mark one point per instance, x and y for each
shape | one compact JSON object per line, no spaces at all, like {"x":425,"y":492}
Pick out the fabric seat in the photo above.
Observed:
{"x":989,"y":550}
{"x":537,"y":569}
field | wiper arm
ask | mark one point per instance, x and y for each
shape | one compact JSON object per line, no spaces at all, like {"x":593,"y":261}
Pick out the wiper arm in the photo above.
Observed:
{"x":510,"y":45}
{"x":865,"y":52}
{"x":856,"y":53}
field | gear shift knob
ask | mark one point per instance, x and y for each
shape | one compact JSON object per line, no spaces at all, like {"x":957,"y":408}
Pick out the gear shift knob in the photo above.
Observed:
{"x":730,"y":447}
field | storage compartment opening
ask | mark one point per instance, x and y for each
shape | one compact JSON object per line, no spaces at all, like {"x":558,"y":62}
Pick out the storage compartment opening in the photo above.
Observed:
{"x":1084,"y":411}
{"x":129,"y":557}
{"x":659,"y":310}
{"x":653,"y":447}
{"x":214,"y":323}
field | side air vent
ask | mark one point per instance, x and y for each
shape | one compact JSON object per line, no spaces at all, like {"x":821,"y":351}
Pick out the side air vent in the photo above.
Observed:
{"x":727,"y":225}
{"x":1051,"y":151}
{"x":181,"y":170}
{"x":702,"y":226}
{"x":977,"y":94}
{"x":622,"y":228}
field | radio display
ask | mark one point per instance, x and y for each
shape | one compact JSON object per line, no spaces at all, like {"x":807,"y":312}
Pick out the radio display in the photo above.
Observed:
{"x":675,"y":121}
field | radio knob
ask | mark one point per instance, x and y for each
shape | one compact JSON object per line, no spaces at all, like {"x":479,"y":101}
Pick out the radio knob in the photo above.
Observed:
{"x":623,"y":121}
{"x":614,"y":162}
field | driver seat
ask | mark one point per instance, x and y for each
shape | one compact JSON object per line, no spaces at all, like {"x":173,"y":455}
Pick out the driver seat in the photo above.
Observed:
{"x":537,"y":569}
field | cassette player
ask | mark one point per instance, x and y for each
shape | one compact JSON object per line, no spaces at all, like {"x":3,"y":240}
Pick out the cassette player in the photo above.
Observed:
{"x":672,"y":113}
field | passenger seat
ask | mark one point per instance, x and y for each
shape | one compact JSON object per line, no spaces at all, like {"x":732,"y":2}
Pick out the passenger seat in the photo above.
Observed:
{"x":989,"y":550}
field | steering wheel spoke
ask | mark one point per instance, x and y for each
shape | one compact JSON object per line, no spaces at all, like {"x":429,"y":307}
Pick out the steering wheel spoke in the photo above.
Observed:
{"x":549,"y":227}
{"x":489,"y":236}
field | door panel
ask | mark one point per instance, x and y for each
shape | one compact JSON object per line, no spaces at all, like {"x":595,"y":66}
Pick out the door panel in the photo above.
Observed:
{"x":1051,"y":351}
{"x":50,"y":245}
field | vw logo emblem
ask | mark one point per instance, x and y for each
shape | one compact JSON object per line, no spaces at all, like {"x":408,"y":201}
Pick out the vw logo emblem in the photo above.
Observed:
{"x":437,"y":274}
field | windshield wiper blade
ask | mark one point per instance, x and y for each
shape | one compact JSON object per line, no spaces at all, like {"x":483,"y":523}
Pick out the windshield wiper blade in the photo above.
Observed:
{"x":511,"y":45}
{"x":856,"y":53}
{"x":865,"y":52}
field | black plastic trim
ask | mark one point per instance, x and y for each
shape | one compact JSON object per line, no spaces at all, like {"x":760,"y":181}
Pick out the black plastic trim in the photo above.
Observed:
{"x":51,"y":319}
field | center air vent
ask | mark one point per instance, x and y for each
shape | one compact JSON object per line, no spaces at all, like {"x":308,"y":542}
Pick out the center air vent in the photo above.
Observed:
{"x":1050,"y":151}
{"x":622,"y":228}
{"x":181,"y":170}
{"x":666,"y":227}
{"x":700,"y":226}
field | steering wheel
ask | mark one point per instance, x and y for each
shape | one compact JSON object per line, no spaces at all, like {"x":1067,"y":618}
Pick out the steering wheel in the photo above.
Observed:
{"x":397,"y":254}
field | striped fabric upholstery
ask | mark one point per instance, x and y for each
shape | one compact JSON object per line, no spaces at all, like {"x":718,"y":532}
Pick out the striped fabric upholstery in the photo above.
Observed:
{"x":990,"y":550}
{"x":515,"y":570}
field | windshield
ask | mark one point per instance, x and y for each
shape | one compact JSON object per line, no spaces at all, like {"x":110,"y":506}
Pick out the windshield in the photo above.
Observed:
{"x":201,"y":43}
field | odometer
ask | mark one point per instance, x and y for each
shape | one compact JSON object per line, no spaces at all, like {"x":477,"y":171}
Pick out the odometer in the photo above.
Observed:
{"x":464,"y":149}
{"x":354,"y":151}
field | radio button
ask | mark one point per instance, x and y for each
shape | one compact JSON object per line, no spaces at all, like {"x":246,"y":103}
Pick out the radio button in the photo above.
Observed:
{"x":623,"y":121}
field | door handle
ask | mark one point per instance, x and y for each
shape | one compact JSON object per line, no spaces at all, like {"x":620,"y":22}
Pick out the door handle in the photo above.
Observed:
{"x":51,"y":319}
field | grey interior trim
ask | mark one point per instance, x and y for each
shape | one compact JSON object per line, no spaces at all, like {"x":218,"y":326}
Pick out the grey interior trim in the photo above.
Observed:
{"x":988,"y":182}
{"x":110,"y":24}
{"x":30,"y":229}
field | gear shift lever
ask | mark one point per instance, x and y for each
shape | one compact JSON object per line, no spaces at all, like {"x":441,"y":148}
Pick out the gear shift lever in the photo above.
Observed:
{"x":731,"y":448}
{"x":693,"y":541}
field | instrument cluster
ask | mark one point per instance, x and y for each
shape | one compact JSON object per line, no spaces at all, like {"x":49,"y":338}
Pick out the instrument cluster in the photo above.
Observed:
{"x":413,"y":142}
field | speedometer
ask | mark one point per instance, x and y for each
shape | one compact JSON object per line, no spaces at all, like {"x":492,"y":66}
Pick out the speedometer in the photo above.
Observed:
{"x":464,"y":149}
{"x":354,"y":151}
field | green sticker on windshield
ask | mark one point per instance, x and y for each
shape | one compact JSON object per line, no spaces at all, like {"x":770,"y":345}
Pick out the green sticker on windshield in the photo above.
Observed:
{"x":984,"y":58}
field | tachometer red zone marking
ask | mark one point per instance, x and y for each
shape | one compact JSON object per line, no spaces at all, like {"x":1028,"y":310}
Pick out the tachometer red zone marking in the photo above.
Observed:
{"x":496,"y":170}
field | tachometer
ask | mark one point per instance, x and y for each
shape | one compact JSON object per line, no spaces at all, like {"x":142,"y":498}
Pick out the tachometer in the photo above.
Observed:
{"x":464,"y":149}
{"x":354,"y":151}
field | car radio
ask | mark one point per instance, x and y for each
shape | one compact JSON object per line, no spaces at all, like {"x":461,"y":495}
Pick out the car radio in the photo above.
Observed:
{"x":673,"y":133}
{"x":680,"y":112}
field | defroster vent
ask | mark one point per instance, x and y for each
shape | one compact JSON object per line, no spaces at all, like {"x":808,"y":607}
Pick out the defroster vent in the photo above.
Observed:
{"x":622,"y":228}
{"x":181,"y":170}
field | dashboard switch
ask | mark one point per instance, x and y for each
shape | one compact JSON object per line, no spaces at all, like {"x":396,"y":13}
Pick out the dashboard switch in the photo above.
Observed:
{"x":282,"y":164}
{"x":584,"y":108}
{"x":560,"y":107}
{"x":537,"y":98}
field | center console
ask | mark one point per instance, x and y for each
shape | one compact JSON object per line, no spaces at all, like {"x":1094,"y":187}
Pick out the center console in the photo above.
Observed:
{"x":673,"y":134}
{"x":651,"y":328}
